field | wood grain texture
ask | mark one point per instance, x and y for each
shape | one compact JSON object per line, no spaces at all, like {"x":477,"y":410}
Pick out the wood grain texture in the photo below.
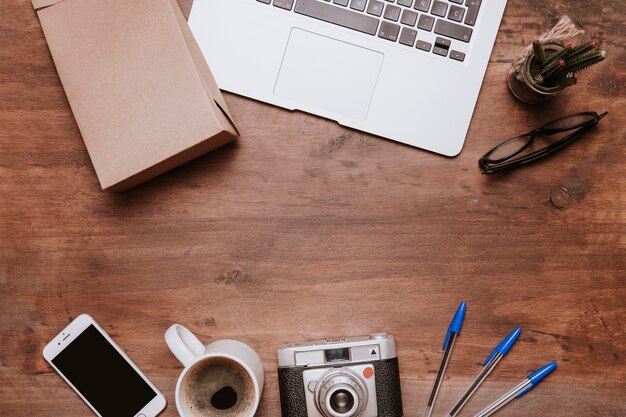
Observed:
{"x":305,"y":229}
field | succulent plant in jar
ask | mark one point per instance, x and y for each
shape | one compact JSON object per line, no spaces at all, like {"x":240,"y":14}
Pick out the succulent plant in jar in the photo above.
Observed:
{"x":550,"y":68}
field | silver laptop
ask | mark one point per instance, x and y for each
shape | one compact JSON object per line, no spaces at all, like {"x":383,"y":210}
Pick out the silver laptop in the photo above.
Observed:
{"x":406,"y":70}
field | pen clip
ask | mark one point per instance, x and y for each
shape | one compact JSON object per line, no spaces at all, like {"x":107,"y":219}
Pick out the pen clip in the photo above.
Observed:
{"x":447,"y":339}
{"x":455,"y":324}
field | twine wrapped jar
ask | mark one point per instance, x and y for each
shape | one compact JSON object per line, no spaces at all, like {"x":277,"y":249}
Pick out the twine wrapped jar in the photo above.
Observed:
{"x":522,"y":84}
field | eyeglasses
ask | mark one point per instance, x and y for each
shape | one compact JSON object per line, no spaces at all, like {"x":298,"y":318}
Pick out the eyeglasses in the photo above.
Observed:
{"x":508,"y":154}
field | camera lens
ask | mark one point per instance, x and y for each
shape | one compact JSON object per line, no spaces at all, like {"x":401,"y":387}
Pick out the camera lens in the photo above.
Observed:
{"x":341,"y":401}
{"x":341,"y":393}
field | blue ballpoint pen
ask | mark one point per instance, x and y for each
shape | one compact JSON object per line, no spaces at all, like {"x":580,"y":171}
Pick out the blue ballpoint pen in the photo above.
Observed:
{"x":489,"y":365}
{"x":448,"y":346}
{"x":528,"y":384}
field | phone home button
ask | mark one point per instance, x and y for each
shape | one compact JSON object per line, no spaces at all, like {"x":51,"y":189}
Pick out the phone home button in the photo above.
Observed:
{"x":140,"y":415}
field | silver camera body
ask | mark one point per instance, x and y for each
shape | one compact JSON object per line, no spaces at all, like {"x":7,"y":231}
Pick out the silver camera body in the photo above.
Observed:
{"x":347,"y":377}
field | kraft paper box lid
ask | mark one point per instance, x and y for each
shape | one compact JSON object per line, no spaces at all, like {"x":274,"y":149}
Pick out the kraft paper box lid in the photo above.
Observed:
{"x":140,"y":90}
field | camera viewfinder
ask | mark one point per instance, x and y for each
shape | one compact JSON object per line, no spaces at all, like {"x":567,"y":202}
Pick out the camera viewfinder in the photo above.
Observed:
{"x":337,"y":355}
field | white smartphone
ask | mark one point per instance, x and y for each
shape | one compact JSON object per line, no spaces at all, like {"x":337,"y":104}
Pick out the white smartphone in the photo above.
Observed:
{"x":100,"y":372}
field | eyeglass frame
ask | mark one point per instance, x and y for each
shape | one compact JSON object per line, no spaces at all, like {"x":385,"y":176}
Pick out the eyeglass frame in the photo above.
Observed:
{"x":502,"y":164}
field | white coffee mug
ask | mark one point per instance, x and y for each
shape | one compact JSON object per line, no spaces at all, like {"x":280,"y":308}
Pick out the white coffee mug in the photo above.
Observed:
{"x":190,"y":351}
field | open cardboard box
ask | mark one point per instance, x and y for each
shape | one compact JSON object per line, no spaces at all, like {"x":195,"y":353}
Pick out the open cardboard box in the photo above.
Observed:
{"x":140,"y":90}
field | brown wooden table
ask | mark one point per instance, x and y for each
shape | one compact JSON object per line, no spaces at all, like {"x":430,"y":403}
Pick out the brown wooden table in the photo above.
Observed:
{"x":305,"y":229}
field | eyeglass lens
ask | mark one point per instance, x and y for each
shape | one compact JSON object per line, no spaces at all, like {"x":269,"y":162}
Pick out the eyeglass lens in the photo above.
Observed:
{"x":509,"y":148}
{"x":571,"y":122}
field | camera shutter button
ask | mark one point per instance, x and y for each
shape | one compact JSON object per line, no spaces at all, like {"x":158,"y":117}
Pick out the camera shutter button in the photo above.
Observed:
{"x":379,"y":336}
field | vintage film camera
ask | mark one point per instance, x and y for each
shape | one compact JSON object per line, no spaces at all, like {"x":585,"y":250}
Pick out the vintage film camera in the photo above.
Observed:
{"x":348,"y":377}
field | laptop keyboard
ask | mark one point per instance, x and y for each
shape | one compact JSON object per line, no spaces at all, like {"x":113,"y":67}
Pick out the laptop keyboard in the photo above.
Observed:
{"x":397,"y":20}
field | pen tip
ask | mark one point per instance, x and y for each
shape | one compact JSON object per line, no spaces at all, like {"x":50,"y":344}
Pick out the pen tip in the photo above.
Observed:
{"x":459,"y":316}
{"x":509,"y":341}
{"x":542,"y":372}
{"x":456,"y":323}
{"x":505,"y":345}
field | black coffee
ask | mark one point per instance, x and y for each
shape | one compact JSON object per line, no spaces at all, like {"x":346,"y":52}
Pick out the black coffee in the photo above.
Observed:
{"x":225,"y":398}
{"x":218,"y":387}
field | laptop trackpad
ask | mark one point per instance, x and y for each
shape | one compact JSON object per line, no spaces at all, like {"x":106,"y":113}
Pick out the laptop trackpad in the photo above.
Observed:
{"x":328,"y":74}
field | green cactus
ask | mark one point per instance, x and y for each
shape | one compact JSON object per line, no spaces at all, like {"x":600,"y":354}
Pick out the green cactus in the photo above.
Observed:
{"x":559,"y":68}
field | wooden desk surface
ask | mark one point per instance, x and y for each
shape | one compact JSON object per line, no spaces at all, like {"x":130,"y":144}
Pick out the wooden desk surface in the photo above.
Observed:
{"x":305,"y":229}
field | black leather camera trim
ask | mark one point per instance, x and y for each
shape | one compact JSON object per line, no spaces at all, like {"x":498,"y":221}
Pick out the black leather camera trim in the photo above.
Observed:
{"x":292,"y":396}
{"x":388,"y":390}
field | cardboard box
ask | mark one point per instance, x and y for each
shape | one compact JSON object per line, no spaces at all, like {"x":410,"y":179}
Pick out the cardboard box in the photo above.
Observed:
{"x":140,"y":90}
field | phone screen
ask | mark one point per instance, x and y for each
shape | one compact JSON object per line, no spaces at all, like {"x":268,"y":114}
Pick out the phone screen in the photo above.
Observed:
{"x":103,"y":376}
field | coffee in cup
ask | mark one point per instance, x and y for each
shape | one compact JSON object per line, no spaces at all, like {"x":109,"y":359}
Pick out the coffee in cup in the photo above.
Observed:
{"x":223,"y":379}
{"x":218,"y":387}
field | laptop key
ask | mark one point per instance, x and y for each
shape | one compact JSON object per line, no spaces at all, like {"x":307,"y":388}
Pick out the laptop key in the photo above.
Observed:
{"x":358,"y":5}
{"x":341,"y":2}
{"x":473,"y":6}
{"x":422,"y":5}
{"x":264,"y":1}
{"x":375,"y":7}
{"x":284,"y":4}
{"x":405,"y":3}
{"x":426,"y":22}
{"x":442,"y":42}
{"x":409,"y":17}
{"x":342,"y":17}
{"x":407,"y":36}
{"x":392,"y":12}
{"x":457,"y":56}
{"x":452,"y":30}
{"x":389,"y":31}
{"x":439,"y":8}
{"x":456,"y":13}
{"x":423,"y":45}
{"x":440,"y":51}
